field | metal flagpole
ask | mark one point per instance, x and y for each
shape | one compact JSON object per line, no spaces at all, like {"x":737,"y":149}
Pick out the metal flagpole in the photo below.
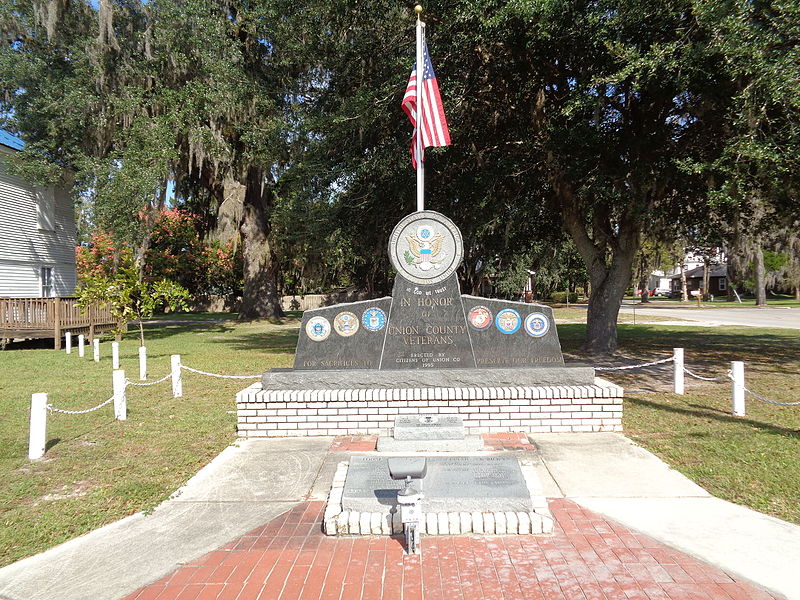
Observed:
{"x":420,"y":112}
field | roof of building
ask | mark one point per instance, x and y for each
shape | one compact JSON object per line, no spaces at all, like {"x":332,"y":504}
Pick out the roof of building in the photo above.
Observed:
{"x":714,"y":271}
{"x":10,"y":140}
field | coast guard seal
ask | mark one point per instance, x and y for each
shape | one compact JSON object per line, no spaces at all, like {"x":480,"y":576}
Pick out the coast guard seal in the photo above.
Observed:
{"x":425,"y":247}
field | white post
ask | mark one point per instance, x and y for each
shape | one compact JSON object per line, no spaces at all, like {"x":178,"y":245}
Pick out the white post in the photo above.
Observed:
{"x":68,"y":337}
{"x":120,"y":402}
{"x":677,"y":376}
{"x":177,"y":381}
{"x":38,"y":433}
{"x":96,"y":344}
{"x":420,"y":116}
{"x":142,"y":363}
{"x":81,"y":343}
{"x":115,"y":355}
{"x":737,"y":370}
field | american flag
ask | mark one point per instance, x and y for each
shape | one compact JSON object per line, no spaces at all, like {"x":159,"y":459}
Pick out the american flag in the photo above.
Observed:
{"x":434,"y":123}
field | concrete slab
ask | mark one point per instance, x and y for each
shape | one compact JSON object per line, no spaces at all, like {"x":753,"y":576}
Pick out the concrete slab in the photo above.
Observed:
{"x":736,"y":539}
{"x":246,"y":485}
{"x":609,"y":465}
{"x":259,"y":471}
{"x":112,"y":561}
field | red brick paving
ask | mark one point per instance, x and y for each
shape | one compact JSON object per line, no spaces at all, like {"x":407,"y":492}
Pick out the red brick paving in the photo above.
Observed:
{"x":354,"y":443}
{"x":506,"y":441}
{"x":588,"y":558}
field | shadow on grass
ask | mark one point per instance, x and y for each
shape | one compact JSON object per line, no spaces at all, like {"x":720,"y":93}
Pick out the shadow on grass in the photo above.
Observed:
{"x":710,"y":413}
{"x":275,"y":341}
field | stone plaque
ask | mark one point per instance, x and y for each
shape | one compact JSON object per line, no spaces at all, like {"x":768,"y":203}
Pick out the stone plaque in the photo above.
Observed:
{"x":342,"y":337}
{"x":458,"y":483}
{"x":512,"y":334}
{"x":427,"y":329}
{"x":425,"y":247}
{"x":428,"y":427}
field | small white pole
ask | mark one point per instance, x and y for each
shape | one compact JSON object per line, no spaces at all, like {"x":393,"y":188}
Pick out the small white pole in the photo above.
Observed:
{"x":38,"y":433}
{"x":737,"y":370}
{"x":115,"y":355}
{"x":81,"y":343}
{"x":677,"y":375}
{"x":120,"y":402}
{"x":68,"y":337}
{"x":96,"y":344}
{"x":177,"y":380}
{"x":142,"y":363}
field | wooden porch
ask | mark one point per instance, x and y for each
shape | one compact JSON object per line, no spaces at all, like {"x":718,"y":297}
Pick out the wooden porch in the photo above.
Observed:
{"x":35,"y":318}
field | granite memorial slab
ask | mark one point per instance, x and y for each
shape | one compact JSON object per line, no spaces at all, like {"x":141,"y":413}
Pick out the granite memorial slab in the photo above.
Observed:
{"x":428,"y":325}
{"x":343,"y":336}
{"x":457,"y":483}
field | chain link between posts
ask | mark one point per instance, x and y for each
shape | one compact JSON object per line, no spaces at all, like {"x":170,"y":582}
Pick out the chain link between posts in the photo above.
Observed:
{"x":148,"y":383}
{"x":220,"y":376}
{"x":51,"y":408}
{"x":625,"y":368}
{"x":728,"y":375}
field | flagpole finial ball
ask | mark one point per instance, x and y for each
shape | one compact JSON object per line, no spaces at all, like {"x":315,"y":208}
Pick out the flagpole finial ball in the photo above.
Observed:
{"x":418,"y":9}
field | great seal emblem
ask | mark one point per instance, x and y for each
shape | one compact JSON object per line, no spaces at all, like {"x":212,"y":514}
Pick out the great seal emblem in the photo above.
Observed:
{"x":508,"y":321}
{"x":345,"y":323}
{"x":425,"y":247}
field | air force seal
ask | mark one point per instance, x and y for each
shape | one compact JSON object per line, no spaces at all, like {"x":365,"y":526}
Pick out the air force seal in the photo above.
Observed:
{"x":373,"y":319}
{"x":318,"y":328}
{"x":536,"y":324}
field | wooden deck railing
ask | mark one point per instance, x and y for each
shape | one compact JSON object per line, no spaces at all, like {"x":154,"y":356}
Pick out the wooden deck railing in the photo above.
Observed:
{"x":49,"y":317}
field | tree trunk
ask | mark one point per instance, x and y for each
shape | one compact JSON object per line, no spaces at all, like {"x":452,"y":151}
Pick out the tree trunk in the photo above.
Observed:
{"x":706,"y":279}
{"x":797,"y":293}
{"x":260,"y":296}
{"x":609,"y":260}
{"x":761,"y":284}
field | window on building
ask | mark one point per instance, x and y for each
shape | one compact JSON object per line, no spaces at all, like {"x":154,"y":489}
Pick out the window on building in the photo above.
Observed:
{"x":46,"y":208}
{"x":723,"y":284}
{"x":47,"y":282}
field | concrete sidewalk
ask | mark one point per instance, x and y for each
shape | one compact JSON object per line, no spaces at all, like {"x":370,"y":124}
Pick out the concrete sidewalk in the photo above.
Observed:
{"x":255,"y":481}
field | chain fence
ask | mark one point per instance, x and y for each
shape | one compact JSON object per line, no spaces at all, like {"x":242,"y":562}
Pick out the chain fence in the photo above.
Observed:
{"x":768,"y":401}
{"x":184,"y":367}
{"x":148,"y":383}
{"x":641,"y":366}
{"x":728,"y":375}
{"x":63,"y":411}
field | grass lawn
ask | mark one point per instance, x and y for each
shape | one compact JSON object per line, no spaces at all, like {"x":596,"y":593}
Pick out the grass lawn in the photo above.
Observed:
{"x":97,"y":470}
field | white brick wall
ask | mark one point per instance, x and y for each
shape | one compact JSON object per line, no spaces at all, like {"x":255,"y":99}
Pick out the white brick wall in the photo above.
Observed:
{"x":281,"y":413}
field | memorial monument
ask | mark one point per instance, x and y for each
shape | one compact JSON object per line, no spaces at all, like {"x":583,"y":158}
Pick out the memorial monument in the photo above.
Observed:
{"x":428,"y":348}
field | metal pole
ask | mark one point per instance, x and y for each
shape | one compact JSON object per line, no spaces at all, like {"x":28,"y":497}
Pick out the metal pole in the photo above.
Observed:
{"x":677,"y":377}
{"x":420,"y":113}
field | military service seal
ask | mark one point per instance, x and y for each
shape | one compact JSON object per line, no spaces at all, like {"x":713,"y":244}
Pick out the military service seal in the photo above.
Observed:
{"x":536,"y":324}
{"x":318,"y":328}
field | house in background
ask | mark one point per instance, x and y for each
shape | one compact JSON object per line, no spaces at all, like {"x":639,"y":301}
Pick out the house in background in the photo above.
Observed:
{"x":717,"y":281}
{"x":37,"y":234}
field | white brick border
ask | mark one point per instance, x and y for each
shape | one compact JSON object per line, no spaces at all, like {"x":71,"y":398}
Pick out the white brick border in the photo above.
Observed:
{"x":539,"y":521}
{"x":542,"y":409}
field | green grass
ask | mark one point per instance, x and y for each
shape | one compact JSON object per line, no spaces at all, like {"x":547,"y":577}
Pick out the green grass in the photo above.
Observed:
{"x":97,"y":470}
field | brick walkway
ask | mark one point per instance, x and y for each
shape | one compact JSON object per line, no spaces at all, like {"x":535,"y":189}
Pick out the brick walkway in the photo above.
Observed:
{"x":588,"y":558}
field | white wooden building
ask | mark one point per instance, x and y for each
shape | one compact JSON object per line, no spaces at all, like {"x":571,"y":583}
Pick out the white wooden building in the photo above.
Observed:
{"x":37,"y":234}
